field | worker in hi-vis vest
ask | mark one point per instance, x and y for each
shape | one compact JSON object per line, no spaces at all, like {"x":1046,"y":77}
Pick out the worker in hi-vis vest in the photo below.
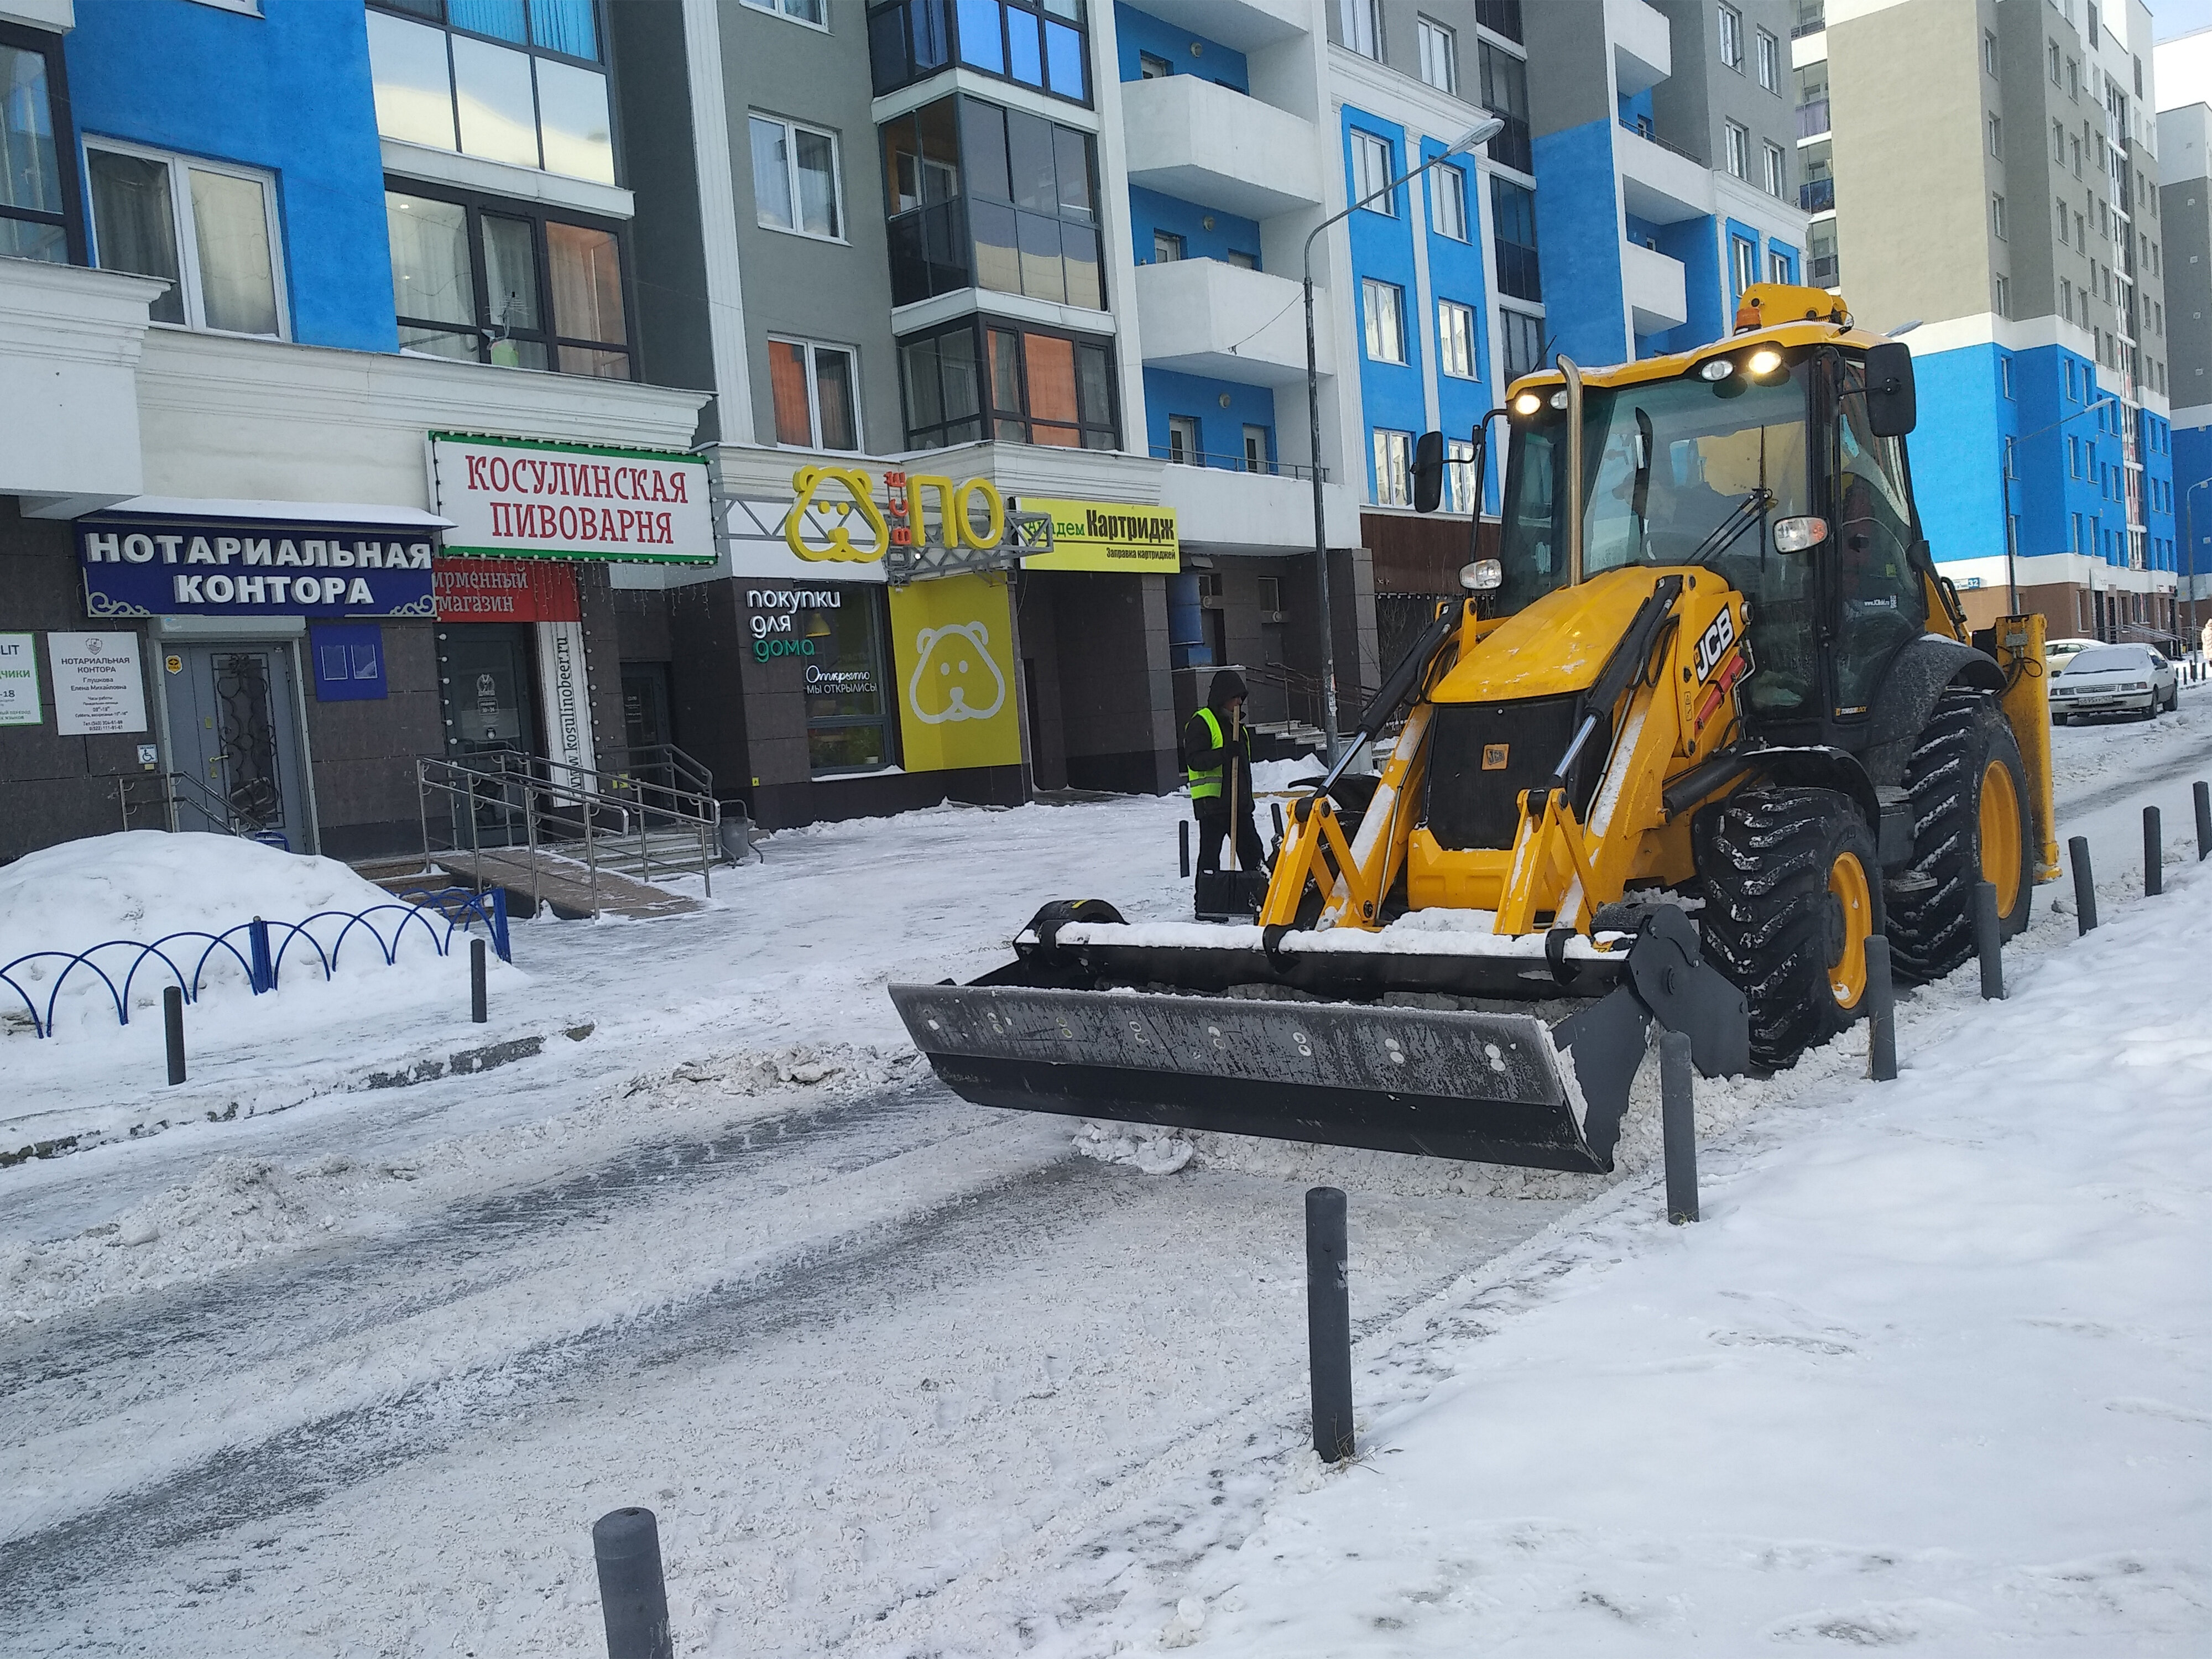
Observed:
{"x":1218,"y":762}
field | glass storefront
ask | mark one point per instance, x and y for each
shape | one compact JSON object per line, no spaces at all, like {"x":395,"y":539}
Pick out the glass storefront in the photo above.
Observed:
{"x":850,"y":710}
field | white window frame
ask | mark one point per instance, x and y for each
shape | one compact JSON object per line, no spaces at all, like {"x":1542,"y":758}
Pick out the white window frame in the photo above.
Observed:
{"x":2003,"y":287}
{"x":1439,"y":54}
{"x":1168,"y":247}
{"x":791,"y":175}
{"x":1360,"y":23}
{"x":1393,"y":454}
{"x":1458,"y":355}
{"x":1194,"y":455}
{"x":1374,"y":158}
{"x":1997,"y":216}
{"x":814,"y":393}
{"x":1769,"y":47}
{"x":1777,"y":267}
{"x":187,"y":239}
{"x":1459,"y":476}
{"x":1777,"y":169}
{"x":1377,"y":297}
{"x":1731,"y":37}
{"x":1448,"y":184}
{"x":1990,"y":52}
{"x":779,"y":8}
{"x":1993,"y":123}
{"x":1743,"y":262}
{"x":1737,"y":138}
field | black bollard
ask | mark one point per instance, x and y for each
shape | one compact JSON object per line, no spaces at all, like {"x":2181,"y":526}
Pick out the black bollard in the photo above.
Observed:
{"x":1678,"y":1121}
{"x":1328,"y":1323}
{"x":1989,"y":941}
{"x":2153,"y":854}
{"x":2085,"y":885}
{"x":173,"y":1028}
{"x":1182,"y":848}
{"x":477,"y":1011}
{"x":1881,"y":1013}
{"x":2204,"y":794}
{"x":632,"y":1594}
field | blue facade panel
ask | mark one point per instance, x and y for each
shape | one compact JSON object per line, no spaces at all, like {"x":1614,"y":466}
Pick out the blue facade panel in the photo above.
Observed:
{"x":1220,"y":424}
{"x":1139,"y":32}
{"x":2192,"y":465}
{"x":288,"y":91}
{"x":1382,"y":251}
{"x":1149,"y":211}
{"x":1578,"y":243}
{"x":1695,"y":244}
{"x":1955,"y":453}
{"x":1457,"y":272}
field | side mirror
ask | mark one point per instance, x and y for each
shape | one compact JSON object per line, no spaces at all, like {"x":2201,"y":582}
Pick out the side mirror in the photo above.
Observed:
{"x":1428,"y":471}
{"x":1892,"y":407}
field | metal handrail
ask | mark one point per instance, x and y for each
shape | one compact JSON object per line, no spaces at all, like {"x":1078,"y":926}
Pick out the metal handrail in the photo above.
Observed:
{"x":645,"y":758}
{"x":1222,"y":460}
{"x":172,"y":790}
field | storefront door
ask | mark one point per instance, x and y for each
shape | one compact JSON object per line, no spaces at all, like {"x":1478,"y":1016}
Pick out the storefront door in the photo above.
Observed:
{"x":234,"y":727}
{"x":485,"y":685}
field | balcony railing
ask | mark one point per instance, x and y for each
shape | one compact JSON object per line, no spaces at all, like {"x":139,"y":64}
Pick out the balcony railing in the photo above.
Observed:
{"x":1643,"y":131}
{"x":1813,"y":118}
{"x":1221,"y":461}
{"x":1817,"y":195}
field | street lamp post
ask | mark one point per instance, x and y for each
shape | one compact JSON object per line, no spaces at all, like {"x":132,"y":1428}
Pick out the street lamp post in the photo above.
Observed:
{"x":2004,"y":489}
{"x":1480,"y":133}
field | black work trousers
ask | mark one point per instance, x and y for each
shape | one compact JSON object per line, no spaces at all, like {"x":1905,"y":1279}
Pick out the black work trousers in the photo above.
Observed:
{"x":1214,"y":830}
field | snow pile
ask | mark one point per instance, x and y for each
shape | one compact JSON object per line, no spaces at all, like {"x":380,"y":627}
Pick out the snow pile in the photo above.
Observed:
{"x":1161,"y":1153}
{"x":1276,"y":777}
{"x":1930,"y":1371}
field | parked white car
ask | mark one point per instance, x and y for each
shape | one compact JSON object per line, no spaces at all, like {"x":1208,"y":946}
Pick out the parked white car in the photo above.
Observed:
{"x":2114,"y":679}
{"x":2057,"y":653}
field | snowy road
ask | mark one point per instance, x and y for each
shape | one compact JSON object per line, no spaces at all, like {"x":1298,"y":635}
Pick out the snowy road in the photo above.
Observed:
{"x":355,"y":1377}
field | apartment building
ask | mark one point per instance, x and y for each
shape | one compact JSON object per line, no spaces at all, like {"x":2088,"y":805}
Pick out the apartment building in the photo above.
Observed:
{"x":2185,"y":143}
{"x":1987,"y":172}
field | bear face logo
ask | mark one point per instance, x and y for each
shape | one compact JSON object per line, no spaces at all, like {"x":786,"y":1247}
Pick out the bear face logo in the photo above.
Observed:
{"x":954,"y":677}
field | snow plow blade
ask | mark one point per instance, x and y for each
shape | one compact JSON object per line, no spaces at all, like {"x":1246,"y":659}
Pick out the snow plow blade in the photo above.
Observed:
{"x":1482,"y":1085}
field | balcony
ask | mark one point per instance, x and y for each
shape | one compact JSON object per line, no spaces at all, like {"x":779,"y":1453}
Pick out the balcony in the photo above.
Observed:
{"x":1813,"y":118}
{"x":1241,"y":24}
{"x":1643,"y":54}
{"x":70,"y":341}
{"x":1817,"y":195}
{"x":1202,"y":316}
{"x":1256,"y":510}
{"x":1190,"y":138}
{"x":1656,"y":287}
{"x":1658,"y":182}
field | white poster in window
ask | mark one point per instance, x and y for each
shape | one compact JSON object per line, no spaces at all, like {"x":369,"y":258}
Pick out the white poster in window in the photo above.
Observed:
{"x":567,"y":695}
{"x":19,"y":680}
{"x":97,"y":686}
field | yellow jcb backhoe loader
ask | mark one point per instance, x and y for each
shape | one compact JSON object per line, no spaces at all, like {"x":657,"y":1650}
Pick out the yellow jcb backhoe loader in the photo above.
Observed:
{"x":1710,"y":722}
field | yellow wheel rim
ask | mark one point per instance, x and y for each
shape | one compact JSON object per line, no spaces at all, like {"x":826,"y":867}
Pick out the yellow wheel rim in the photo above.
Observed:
{"x":2001,"y":835}
{"x":1847,"y":885}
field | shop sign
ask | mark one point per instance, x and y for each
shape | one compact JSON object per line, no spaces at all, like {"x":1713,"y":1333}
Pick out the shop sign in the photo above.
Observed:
{"x":504,"y":591}
{"x":97,"y":685}
{"x":568,"y":710}
{"x":512,"y":498}
{"x":19,"y":680}
{"x":143,"y":568}
{"x":1107,"y":535}
{"x":952,"y":639}
{"x":836,"y":517}
{"x":774,"y":621}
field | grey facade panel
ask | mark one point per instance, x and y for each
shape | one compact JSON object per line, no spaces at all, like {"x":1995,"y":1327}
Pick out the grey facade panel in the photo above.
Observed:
{"x":1568,"y":85}
{"x":1703,"y":94}
{"x":2187,"y":254}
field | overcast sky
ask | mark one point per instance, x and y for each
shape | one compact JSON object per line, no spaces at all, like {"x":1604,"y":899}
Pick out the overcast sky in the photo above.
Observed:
{"x":2172,"y":17}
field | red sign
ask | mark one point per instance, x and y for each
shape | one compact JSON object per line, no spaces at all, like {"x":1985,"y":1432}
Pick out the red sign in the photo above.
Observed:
{"x":504,"y":590}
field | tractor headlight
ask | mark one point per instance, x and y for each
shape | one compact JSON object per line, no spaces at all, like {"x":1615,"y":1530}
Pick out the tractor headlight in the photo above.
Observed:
{"x":1482,"y":576}
{"x":1719,"y":369}
{"x":1795,"y":535}
{"x":1764,"y":362}
{"x":1527,"y":403}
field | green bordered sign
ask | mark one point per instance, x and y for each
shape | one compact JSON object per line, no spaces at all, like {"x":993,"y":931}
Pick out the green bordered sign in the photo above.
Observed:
{"x":514,"y":498}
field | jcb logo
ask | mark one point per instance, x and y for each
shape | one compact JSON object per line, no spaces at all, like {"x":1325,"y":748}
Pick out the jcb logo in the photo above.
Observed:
{"x":1713,"y":644}
{"x":1494,"y":756}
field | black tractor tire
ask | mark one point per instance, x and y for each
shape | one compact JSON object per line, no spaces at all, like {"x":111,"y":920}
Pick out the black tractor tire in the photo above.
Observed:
{"x":1786,"y":919}
{"x":1931,"y":911}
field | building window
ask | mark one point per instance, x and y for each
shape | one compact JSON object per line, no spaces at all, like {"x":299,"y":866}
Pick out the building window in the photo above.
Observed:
{"x":849,"y":728}
{"x":1780,"y":268}
{"x":488,"y":281}
{"x":1372,"y":168}
{"x":1743,"y":263}
{"x":1731,"y":37}
{"x":1455,"y":352}
{"x":1513,"y":231}
{"x":1459,"y":475}
{"x":1770,"y":62}
{"x":1151,"y":67}
{"x":1988,"y":51}
{"x":1522,"y":337}
{"x":1996,"y":130}
{"x":1393,"y":468}
{"x":1448,"y":202}
{"x":1505,"y":95}
{"x":971,"y":382}
{"x":1500,"y":17}
{"x":2003,"y":285}
{"x":209,"y":228}
{"x":2051,"y":53}
{"x":1240,"y":260}
{"x":1997,"y":217}
{"x":795,"y":185}
{"x":2004,"y":377}
{"x":1043,"y":43}
{"x":1257,"y":443}
{"x":1737,"y":139}
{"x":1360,"y":23}
{"x":497,"y":79}
{"x":1771,"y":155}
{"x":1439,"y":56}
{"x":800,"y":11}
{"x":2062,"y":219}
{"x":1167,"y":247}
{"x":982,"y":197}
{"x":35,"y":219}
{"x":1183,"y":449}
{"x":1384,"y":307}
{"x":816,"y":393}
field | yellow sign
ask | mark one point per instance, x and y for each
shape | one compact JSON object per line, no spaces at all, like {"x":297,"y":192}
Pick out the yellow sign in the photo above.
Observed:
{"x":1107,"y":535}
{"x":832,"y":498}
{"x":952,"y":643}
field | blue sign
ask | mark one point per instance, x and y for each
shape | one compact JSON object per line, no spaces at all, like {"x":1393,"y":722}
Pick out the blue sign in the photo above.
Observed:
{"x":348,"y":661}
{"x":141,"y":568}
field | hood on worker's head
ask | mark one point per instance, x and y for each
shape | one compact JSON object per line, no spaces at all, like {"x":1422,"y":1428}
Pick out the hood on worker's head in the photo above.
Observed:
{"x":1228,"y":686}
